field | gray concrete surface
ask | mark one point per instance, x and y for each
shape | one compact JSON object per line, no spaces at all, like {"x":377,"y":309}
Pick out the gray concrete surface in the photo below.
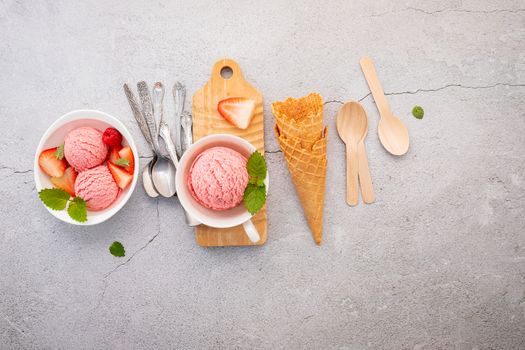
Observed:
{"x":437,"y":263}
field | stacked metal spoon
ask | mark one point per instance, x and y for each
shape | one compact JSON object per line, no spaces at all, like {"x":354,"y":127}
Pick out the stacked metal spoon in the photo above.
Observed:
{"x":159,"y":175}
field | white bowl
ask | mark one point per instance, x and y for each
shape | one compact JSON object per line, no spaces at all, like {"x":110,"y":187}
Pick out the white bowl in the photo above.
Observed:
{"x":214,"y":218}
{"x":56,"y":134}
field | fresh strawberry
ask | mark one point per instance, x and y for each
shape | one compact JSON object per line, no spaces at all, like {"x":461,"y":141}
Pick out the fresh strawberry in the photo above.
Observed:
{"x":237,"y":110}
{"x":113,"y":155}
{"x":66,"y":181}
{"x":50,"y":164}
{"x":127,"y":154}
{"x":112,"y":137}
{"x":120,"y":175}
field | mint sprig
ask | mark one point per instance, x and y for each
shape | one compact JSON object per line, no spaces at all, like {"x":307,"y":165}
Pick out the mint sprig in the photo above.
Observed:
{"x":77,"y":209}
{"x":254,"y":197}
{"x":57,"y":199}
{"x":54,"y":198}
{"x":117,"y":249}
{"x":255,"y":191}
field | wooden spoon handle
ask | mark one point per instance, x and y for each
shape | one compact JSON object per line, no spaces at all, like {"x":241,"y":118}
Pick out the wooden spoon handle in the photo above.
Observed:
{"x":367,"y":66}
{"x":352,"y":184}
{"x":365,"y":180}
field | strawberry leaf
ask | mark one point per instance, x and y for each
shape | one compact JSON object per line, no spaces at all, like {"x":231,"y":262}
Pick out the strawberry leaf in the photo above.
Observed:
{"x":54,"y":198}
{"x":59,"y":153}
{"x":123,"y":162}
{"x":77,"y":209}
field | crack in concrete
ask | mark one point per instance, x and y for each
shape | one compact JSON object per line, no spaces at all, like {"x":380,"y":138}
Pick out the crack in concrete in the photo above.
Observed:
{"x":108,"y":274}
{"x":465,"y":11}
{"x":413,"y":92}
{"x":333,"y":101}
{"x":445,"y":10}
{"x":273,"y":151}
{"x":15,"y":171}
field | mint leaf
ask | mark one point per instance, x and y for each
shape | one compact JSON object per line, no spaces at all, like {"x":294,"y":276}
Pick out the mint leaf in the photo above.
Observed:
{"x":54,"y":198}
{"x":122,"y":162}
{"x":256,"y":167}
{"x":256,"y":181}
{"x":254,"y":197}
{"x":117,"y":249}
{"x":418,"y":112}
{"x":77,"y":209}
{"x":59,"y":153}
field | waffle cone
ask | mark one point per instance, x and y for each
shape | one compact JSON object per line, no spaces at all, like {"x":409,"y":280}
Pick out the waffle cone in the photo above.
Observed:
{"x":300,"y":118}
{"x":302,"y":138}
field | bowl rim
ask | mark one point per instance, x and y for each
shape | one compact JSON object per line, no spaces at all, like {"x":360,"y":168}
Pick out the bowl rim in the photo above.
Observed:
{"x":88,"y":114}
{"x":179,"y":181}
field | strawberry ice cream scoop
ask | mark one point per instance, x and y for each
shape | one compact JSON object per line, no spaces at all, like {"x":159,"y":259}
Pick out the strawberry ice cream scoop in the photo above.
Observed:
{"x":84,"y":148}
{"x":97,"y":187}
{"x":218,"y":177}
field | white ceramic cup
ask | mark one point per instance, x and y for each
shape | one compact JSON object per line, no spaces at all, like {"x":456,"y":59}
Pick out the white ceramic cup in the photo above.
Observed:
{"x":215,"y":218}
{"x":55,"y":136}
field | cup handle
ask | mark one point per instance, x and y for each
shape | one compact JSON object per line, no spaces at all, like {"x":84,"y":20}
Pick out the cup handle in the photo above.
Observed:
{"x":251,"y":231}
{"x":190,"y":220}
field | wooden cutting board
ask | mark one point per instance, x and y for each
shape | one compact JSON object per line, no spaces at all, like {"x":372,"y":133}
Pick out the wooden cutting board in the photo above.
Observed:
{"x":207,"y":120}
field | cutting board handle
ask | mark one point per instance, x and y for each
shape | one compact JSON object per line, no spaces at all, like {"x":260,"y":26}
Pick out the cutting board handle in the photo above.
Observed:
{"x":223,"y":63}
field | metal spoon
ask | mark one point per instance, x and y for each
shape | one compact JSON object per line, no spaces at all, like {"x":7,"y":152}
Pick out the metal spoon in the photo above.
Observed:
{"x":163,"y":171}
{"x":179,"y":95}
{"x":166,"y":136}
{"x":187,"y":139}
{"x":141,"y":121}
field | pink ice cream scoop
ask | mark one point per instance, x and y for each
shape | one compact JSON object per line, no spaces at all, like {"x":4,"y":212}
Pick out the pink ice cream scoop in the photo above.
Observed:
{"x":218,"y":177}
{"x":97,"y":187}
{"x":84,"y":148}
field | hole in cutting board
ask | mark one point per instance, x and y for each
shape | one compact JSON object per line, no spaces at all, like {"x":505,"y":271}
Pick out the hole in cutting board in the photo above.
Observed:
{"x":226,"y":72}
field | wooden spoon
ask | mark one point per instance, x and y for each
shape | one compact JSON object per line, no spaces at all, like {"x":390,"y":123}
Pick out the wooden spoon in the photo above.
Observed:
{"x":392,"y":132}
{"x":351,"y":126}
{"x":365,"y":180}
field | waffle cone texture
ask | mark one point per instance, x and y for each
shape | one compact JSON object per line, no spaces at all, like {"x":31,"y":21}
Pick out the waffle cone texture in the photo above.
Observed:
{"x":302,"y":137}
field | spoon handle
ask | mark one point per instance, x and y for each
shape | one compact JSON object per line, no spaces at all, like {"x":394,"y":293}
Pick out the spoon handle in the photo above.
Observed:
{"x":137,"y":113}
{"x":158,"y":108}
{"x":352,"y":194}
{"x":166,"y":136}
{"x":147,"y":110}
{"x":179,"y":95}
{"x":367,"y":66}
{"x":365,"y":180}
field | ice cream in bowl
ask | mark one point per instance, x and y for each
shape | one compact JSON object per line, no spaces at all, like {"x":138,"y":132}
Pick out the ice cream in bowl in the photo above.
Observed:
{"x":85,"y":167}
{"x":212,"y":180}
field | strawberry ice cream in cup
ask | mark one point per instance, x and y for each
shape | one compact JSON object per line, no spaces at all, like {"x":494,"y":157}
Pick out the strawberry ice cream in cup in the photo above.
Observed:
{"x":218,"y":177}
{"x":211,"y":179}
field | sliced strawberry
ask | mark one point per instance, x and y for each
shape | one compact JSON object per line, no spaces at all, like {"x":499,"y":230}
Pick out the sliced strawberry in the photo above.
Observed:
{"x":66,"y":181}
{"x":120,"y":175}
{"x":127,"y":154}
{"x":237,"y":110}
{"x":113,"y":155}
{"x":50,"y":164}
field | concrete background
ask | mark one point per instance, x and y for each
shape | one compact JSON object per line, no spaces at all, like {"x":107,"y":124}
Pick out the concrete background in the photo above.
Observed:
{"x":437,"y":263}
